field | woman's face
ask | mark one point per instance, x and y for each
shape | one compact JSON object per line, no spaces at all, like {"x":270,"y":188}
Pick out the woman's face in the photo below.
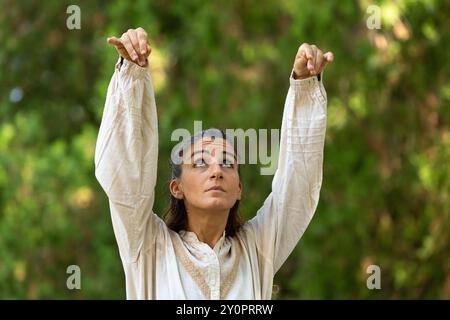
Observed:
{"x":209,"y":178}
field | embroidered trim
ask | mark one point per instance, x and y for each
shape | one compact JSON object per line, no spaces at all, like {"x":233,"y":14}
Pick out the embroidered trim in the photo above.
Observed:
{"x":193,"y":271}
{"x":229,"y":279}
{"x":196,"y":274}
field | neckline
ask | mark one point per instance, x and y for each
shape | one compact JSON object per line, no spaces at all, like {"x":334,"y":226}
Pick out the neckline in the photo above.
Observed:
{"x":191,"y":237}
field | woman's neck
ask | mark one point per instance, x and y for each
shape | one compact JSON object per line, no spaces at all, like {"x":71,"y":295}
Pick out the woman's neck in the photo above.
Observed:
{"x":208,"y":226}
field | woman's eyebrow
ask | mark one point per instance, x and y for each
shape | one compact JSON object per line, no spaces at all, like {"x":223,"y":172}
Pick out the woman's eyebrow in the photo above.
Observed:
{"x":198,"y":151}
{"x":206,"y":151}
{"x":230,"y":154}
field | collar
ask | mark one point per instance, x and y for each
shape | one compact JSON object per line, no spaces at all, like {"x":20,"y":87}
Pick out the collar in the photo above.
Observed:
{"x":191,"y":237}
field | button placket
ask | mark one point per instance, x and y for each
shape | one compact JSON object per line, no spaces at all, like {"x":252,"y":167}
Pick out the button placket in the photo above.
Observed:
{"x":214,"y":275}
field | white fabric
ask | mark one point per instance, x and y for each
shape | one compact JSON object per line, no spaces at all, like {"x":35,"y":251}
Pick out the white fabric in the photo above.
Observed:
{"x":126,"y":161}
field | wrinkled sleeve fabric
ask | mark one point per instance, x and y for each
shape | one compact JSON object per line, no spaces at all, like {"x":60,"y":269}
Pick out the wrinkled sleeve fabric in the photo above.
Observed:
{"x":126,"y":158}
{"x":289,"y":208}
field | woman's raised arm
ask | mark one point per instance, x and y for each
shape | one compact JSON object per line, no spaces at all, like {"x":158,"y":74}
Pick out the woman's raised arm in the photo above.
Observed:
{"x":289,"y":208}
{"x":127,"y":147}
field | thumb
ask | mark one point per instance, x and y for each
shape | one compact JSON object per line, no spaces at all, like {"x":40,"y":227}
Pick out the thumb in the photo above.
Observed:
{"x":329,"y":56}
{"x":114,"y":41}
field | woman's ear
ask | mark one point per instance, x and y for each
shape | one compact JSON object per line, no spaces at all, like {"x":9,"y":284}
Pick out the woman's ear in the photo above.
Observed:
{"x":175,"y":189}
{"x":240,"y":191}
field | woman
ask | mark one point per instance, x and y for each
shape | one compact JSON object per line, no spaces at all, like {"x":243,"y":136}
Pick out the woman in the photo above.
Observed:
{"x":202,"y":251}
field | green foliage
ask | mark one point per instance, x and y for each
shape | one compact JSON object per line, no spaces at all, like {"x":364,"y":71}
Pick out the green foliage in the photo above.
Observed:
{"x":385,"y":198}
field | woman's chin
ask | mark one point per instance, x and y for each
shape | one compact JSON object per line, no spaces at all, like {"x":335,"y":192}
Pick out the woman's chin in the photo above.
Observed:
{"x":217,"y":203}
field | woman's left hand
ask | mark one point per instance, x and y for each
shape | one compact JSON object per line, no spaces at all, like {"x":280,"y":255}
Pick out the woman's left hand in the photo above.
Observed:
{"x":310,"y":61}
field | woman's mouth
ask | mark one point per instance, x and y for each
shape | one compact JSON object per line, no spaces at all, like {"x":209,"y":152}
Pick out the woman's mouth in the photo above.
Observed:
{"x":215,"y":188}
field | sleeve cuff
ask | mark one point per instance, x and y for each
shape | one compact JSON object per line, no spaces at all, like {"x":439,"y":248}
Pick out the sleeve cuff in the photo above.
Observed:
{"x":127,"y":67}
{"x":313,"y":86}
{"x":307,"y":83}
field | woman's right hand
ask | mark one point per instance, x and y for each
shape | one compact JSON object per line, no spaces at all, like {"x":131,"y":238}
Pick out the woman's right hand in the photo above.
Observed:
{"x":133,"y":46}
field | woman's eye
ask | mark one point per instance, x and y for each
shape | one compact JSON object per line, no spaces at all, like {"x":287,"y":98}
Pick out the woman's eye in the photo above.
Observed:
{"x":199,"y":163}
{"x":227,"y":164}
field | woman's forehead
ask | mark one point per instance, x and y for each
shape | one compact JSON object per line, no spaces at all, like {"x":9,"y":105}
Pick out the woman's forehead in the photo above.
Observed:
{"x":212,"y":145}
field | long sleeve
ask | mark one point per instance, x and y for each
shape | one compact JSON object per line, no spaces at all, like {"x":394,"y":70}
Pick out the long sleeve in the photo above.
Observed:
{"x":126,"y":157}
{"x":287,"y":211}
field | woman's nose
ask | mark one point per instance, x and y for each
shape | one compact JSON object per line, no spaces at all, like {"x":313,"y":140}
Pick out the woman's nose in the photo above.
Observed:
{"x":216,"y":171}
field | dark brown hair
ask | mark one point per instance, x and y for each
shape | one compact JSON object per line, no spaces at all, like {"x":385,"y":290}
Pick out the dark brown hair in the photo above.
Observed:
{"x":176,"y":215}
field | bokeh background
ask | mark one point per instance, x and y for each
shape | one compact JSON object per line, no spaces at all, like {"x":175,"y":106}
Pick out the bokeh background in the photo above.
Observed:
{"x":385,"y":196}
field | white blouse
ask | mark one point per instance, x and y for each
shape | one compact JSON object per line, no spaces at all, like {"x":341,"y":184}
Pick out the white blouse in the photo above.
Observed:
{"x":162,"y":264}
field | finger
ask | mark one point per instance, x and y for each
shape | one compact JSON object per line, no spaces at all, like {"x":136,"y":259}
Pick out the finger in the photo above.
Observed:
{"x":312,"y":62}
{"x":114,"y":41}
{"x":306,"y":48}
{"x":308,"y":52}
{"x":142,"y":38}
{"x":132,"y":35}
{"x":144,"y":61}
{"x":129,"y":47}
{"x":119,"y":47}
{"x":328,"y":56}
{"x":319,"y":61}
{"x":303,"y":59}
